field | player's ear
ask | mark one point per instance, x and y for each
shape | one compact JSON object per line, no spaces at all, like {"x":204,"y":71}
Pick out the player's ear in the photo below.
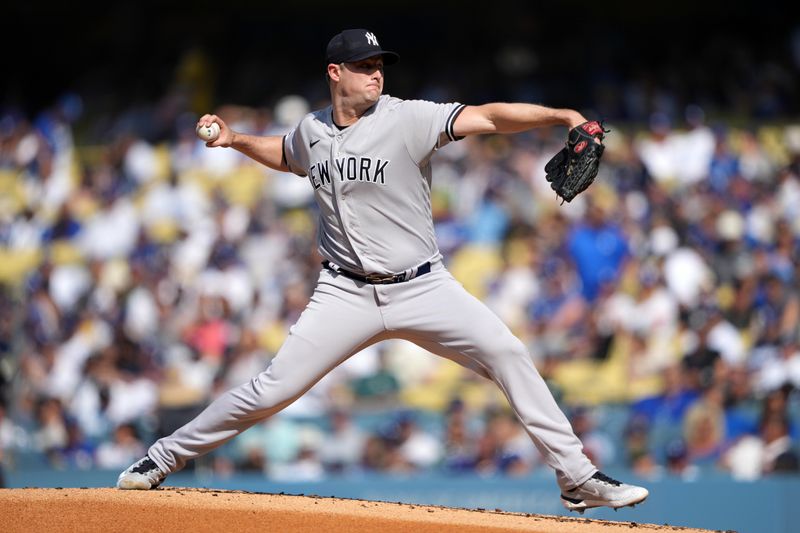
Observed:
{"x":334,"y":71}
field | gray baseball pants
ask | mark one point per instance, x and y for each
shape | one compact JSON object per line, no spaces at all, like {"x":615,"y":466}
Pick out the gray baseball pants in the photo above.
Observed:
{"x":345,"y":316}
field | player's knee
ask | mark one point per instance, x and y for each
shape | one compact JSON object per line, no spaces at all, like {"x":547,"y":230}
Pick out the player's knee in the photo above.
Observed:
{"x":266,"y":393}
{"x":517,"y":349}
{"x":508,"y":347}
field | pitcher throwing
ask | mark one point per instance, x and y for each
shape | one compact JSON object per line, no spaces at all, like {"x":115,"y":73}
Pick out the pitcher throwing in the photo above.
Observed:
{"x":367,"y":156}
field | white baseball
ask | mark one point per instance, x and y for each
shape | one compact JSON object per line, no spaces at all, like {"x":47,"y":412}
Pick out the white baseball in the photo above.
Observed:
{"x":208,"y":133}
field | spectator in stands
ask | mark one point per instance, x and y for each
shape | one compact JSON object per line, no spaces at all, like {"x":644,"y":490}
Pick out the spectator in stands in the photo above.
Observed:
{"x":78,"y":451}
{"x":780,"y":455}
{"x":343,"y":446}
{"x":599,"y":248}
{"x":459,"y":443}
{"x":678,"y":463}
{"x":376,"y":454}
{"x":778,"y":310}
{"x":670,"y":406}
{"x":597,"y":445}
{"x":51,"y":434}
{"x":12,"y":438}
{"x":379,"y":388}
{"x":124,"y":447}
{"x":702,"y":362}
{"x":780,"y":366}
{"x":638,"y":454}
{"x":770,"y":451}
{"x":414,"y":446}
{"x":503,"y":448}
{"x":704,"y":427}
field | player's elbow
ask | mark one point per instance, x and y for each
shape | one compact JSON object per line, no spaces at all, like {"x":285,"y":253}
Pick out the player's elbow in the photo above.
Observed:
{"x":475,"y":120}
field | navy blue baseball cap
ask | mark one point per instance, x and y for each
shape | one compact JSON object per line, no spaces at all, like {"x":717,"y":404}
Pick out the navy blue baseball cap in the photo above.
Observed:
{"x":355,"y":45}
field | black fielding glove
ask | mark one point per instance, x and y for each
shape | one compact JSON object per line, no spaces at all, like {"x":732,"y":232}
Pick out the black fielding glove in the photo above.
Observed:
{"x":575,"y":166}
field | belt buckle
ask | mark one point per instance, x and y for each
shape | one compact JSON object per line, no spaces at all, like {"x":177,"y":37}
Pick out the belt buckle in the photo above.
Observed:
{"x":382,"y":279}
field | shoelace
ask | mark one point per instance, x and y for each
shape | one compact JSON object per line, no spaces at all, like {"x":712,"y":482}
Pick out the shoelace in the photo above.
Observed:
{"x":146,"y":466}
{"x":605,"y":479}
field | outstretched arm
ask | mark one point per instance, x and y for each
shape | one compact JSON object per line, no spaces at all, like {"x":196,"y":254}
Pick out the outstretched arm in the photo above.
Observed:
{"x":512,"y":118}
{"x":266,"y":150}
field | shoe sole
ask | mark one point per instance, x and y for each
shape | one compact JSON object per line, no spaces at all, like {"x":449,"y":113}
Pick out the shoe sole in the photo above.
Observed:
{"x":132,"y":485}
{"x":592,"y":504}
{"x":135,"y":484}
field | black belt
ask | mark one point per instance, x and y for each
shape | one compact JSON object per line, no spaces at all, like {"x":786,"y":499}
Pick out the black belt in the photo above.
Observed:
{"x":381,"y":279}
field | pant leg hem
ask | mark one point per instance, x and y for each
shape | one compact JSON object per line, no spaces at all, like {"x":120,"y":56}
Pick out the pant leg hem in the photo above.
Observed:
{"x":583,"y":479}
{"x":157,"y":461}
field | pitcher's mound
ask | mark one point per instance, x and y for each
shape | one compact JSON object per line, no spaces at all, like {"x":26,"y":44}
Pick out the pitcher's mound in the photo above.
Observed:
{"x":177,"y":509}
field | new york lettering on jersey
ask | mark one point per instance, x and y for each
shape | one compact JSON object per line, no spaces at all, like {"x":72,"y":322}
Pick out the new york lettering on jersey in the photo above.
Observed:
{"x":362,"y":169}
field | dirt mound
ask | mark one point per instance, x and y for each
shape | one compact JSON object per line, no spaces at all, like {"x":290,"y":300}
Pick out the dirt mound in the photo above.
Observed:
{"x":197,"y":510}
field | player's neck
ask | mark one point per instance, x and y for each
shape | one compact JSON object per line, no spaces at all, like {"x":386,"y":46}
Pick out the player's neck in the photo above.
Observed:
{"x":346,"y":112}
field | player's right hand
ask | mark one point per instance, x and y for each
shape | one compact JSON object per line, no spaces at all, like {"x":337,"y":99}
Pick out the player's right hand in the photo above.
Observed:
{"x":225,"y":133}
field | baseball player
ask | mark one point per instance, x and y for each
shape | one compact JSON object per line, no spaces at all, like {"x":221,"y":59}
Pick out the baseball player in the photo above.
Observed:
{"x":368,"y":158}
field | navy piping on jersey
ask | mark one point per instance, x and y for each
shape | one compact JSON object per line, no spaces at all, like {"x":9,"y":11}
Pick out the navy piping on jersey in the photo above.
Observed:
{"x":283,"y":152}
{"x":448,"y":129}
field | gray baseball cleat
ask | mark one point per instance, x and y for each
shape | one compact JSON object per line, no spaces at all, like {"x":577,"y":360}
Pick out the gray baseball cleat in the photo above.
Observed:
{"x":602,"y":491}
{"x":144,"y":474}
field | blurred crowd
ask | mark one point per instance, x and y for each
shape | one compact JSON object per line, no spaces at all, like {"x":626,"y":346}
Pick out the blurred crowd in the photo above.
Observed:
{"x":141,"y":278}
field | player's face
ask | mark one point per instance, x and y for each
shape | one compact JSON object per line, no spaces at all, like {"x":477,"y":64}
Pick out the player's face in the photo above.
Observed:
{"x":364,"y":78}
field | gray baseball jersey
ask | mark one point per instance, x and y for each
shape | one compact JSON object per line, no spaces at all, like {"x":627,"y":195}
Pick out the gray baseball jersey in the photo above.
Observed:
{"x":372,"y":181}
{"x":373,"y":186}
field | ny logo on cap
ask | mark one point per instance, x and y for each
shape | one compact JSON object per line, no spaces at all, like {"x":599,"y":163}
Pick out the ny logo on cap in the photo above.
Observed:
{"x":371,"y":39}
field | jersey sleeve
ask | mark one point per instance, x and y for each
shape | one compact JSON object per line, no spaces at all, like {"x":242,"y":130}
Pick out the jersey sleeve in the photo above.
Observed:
{"x":295,"y":154}
{"x":427,"y":126}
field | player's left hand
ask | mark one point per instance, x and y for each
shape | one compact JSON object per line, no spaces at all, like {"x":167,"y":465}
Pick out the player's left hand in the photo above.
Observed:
{"x":575,"y":167}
